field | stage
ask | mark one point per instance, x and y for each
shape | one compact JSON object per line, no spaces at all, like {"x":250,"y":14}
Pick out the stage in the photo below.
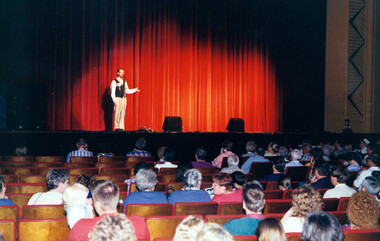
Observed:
{"x":184,"y":143}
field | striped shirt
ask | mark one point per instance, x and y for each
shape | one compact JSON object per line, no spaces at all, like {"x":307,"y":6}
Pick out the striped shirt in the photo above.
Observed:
{"x":79,"y":152}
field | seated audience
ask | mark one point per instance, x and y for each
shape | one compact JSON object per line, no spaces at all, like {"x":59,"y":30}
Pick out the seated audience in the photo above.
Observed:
{"x":139,"y":150}
{"x":338,"y":148}
{"x":283,"y":152}
{"x":306,"y":149}
{"x":258,"y":157}
{"x":362,"y":211}
{"x":354,"y":162}
{"x":321,"y":177}
{"x":295,"y":156}
{"x":284,"y":182}
{"x":239,"y":180}
{"x":326,"y":149}
{"x":182,"y":168}
{"x":278,"y":170}
{"x":339,"y":177}
{"x":214,"y":232}
{"x":272,"y":149}
{"x":253,"y":204}
{"x":4,"y":201}
{"x":225,"y":151}
{"x":136,"y":169}
{"x":321,"y":226}
{"x":376,"y":174}
{"x":270,"y":229}
{"x":168,"y":157}
{"x":76,"y":203}
{"x":363,"y":144}
{"x":105,"y":195}
{"x":57,"y":181}
{"x":372,"y":162}
{"x":200,"y":157}
{"x":372,"y":185}
{"x":233,"y":165}
{"x":223,"y":189}
{"x":82,"y":150}
{"x":188,"y":229}
{"x":191,"y":191}
{"x":87,"y":181}
{"x":113,"y":228}
{"x":304,"y":200}
{"x":250,"y":148}
{"x":160,"y":153}
{"x":146,"y":180}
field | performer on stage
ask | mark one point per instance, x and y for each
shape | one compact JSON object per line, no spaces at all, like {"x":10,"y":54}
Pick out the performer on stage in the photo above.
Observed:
{"x":119,"y":88}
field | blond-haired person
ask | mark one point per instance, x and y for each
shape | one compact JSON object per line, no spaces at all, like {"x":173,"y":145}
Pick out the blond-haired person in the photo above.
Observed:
{"x":188,"y":229}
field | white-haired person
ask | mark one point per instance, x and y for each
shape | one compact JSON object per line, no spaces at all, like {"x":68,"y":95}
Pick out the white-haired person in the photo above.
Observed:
{"x":113,"y":228}
{"x":146,"y":180}
{"x":233,"y":165}
{"x":214,"y":232}
{"x":76,"y":204}
{"x":191,"y":191}
{"x":295,"y":156}
{"x":188,"y":229}
{"x":372,"y":185}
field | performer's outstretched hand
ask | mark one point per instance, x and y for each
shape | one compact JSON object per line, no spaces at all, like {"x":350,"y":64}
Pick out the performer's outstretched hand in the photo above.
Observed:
{"x":137,"y":90}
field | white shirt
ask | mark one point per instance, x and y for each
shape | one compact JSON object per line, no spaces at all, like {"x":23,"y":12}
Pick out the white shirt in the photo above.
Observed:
{"x":363,"y":175}
{"x":293,"y":224}
{"x":165,"y":165}
{"x":46,"y":198}
{"x":340,"y":190}
{"x":294,"y":163}
{"x":126,"y":89}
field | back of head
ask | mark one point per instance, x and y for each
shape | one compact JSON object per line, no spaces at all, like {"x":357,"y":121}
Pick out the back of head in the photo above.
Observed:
{"x":283,"y":151}
{"x":239,"y":178}
{"x":160,"y":152}
{"x":145,"y":179}
{"x":376,"y":174}
{"x":233,"y":160}
{"x":86,"y":180}
{"x":275,"y":147}
{"x":140,"y":165}
{"x":253,"y":197}
{"x":107,"y":194}
{"x":81,"y":142}
{"x":363,"y":210}
{"x":188,"y":229}
{"x":113,"y":228}
{"x":322,"y":168}
{"x":270,"y":229}
{"x":305,"y":199}
{"x":260,"y":151}
{"x":307,"y":147}
{"x":374,"y":159}
{"x":201,"y":153}
{"x":341,"y":174}
{"x":140,"y":143}
{"x":229,"y":145}
{"x":371,"y":185}
{"x":317,"y":152}
{"x":321,"y":226}
{"x":251,"y":146}
{"x":223,"y":179}
{"x":55,"y":177}
{"x":214,"y":232}
{"x":279,"y":164}
{"x":193,"y":179}
{"x":75,"y":194}
{"x":285,"y":182}
{"x":168,"y":154}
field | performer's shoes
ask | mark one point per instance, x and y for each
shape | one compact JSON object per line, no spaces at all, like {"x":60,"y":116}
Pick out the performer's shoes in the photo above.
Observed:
{"x":118,"y":130}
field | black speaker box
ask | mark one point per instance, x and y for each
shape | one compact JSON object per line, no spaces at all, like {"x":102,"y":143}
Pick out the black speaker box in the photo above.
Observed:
{"x":172,"y":123}
{"x":236,"y":125}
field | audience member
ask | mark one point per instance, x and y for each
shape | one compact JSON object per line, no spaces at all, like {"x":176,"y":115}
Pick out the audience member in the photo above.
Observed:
{"x":270,"y":229}
{"x":4,"y":201}
{"x":295,"y":156}
{"x":372,"y":164}
{"x":339,"y":177}
{"x":258,"y":157}
{"x":338,"y":148}
{"x":233,"y":165}
{"x":223,"y":189}
{"x":136,"y":169}
{"x":113,"y":228}
{"x":57,"y":181}
{"x":188,"y":229}
{"x":372,"y":185}
{"x":362,"y":211}
{"x":182,"y":168}
{"x":82,"y":150}
{"x":76,"y":204}
{"x":191,"y":191}
{"x":168,"y":157}
{"x":225,"y":151}
{"x":283,"y":152}
{"x":200,"y":157}
{"x":284,"y":182}
{"x":363,"y":144}
{"x":376,"y":174}
{"x":272,"y":149}
{"x":214,"y":232}
{"x":146,"y":180}
{"x":326,"y":149}
{"x":306,"y":149}
{"x":253,"y":204}
{"x":239,"y":180}
{"x":106,"y":198}
{"x":250,"y":147}
{"x":304,"y":200}
{"x":139,"y":150}
{"x":354,"y":162}
{"x":321,"y":177}
{"x":160,"y":153}
{"x":321,"y":226}
{"x":278,"y":170}
{"x":21,"y":150}
{"x":87,"y":181}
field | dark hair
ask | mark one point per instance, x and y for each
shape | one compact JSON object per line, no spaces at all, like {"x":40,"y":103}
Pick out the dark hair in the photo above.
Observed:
{"x":279,"y":164}
{"x":86,"y":180}
{"x":238,"y":178}
{"x":353,"y":156}
{"x":251,"y":146}
{"x":2,"y":183}
{"x":169,"y":154}
{"x":253,"y":197}
{"x":140,"y":143}
{"x":341,"y":174}
{"x":284,"y":151}
{"x":340,"y":142}
{"x":138,"y":166}
{"x":307,"y":146}
{"x":228,"y":145}
{"x":274,"y":146}
{"x":118,"y":70}
{"x":201,"y":153}
{"x":55,"y":177}
{"x":182,"y":168}
{"x":321,"y":226}
{"x":376,"y":174}
{"x":322,"y":168}
{"x":260,"y":151}
{"x":285,"y":181}
{"x":316,"y":152}
{"x":374,"y":159}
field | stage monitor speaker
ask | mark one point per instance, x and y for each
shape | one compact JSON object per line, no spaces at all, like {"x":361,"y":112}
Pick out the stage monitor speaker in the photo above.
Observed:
{"x":172,"y":123}
{"x":236,"y":125}
{"x":3,"y":105}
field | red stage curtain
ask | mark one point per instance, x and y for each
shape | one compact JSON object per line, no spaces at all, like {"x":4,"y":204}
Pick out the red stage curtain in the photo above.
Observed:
{"x":182,"y":65}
